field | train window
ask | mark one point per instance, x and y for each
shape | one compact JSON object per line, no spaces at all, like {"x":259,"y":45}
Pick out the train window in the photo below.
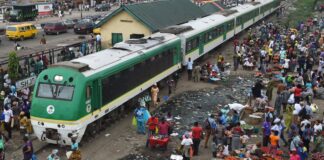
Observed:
{"x":88,"y":92}
{"x":188,"y":46}
{"x":195,"y":43}
{"x":55,"y":91}
{"x":210,"y":36}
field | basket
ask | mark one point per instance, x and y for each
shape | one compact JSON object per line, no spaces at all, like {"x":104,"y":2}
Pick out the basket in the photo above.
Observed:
{"x":253,"y":120}
{"x":248,"y":110}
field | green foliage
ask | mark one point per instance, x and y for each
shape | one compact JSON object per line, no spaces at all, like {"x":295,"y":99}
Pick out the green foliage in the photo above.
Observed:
{"x":304,"y":10}
{"x":13,"y":66}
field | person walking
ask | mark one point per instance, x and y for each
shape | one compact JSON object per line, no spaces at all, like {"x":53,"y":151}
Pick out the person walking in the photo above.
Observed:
{"x":154,"y":94}
{"x":27,"y":149}
{"x":196,"y":136}
{"x":186,"y":144}
{"x":8,"y":117}
{"x":189,"y":68}
{"x":210,"y":128}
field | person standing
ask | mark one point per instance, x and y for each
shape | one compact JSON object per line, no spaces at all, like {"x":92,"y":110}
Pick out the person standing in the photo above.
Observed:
{"x":170,"y":83}
{"x":139,"y":115}
{"x":152,"y":124}
{"x":278,"y":104}
{"x":307,"y":134}
{"x":163,"y":127}
{"x":53,"y":155}
{"x":154,"y":94}
{"x":196,"y":73}
{"x":269,"y":90}
{"x":266,"y":131}
{"x":75,"y":153}
{"x":98,"y":42}
{"x":8,"y":116}
{"x":274,"y":142}
{"x":43,"y":40}
{"x":189,"y":68}
{"x":27,"y":149}
{"x":196,"y":135}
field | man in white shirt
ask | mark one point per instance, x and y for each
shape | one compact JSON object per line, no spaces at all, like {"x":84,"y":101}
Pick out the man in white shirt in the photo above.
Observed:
{"x":298,"y":107}
{"x":98,"y":42}
{"x":186,"y":144}
{"x":189,"y":68}
{"x":304,"y":123}
{"x":7,"y":119}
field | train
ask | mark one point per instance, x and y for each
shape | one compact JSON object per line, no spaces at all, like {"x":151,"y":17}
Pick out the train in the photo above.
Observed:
{"x":74,"y":98}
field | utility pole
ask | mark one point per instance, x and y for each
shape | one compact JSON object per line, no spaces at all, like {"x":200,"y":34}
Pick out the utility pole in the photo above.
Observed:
{"x":81,"y":7}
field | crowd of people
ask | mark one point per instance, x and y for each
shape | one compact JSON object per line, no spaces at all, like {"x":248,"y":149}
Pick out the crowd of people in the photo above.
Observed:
{"x":16,"y":103}
{"x":291,"y":60}
{"x":287,"y":61}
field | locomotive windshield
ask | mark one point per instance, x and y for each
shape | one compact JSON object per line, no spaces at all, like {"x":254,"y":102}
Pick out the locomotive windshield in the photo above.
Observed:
{"x":55,"y":91}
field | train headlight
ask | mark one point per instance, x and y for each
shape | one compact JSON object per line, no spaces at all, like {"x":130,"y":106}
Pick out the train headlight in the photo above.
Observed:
{"x":58,"y":78}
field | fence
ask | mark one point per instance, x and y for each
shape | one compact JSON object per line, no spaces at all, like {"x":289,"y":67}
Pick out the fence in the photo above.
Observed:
{"x":49,"y":54}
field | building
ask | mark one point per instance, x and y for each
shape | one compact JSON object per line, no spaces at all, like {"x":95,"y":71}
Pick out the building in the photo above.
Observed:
{"x":142,"y":19}
{"x":213,"y":7}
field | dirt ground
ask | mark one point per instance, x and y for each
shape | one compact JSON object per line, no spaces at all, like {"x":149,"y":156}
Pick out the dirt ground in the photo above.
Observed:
{"x":120,"y":140}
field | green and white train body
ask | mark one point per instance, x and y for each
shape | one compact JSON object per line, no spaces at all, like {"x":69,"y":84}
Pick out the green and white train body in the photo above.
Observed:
{"x":213,"y":30}
{"x":70,"y":96}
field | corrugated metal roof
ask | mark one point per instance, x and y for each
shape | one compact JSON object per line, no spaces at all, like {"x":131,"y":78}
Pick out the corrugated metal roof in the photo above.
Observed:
{"x":210,"y":8}
{"x":160,"y":14}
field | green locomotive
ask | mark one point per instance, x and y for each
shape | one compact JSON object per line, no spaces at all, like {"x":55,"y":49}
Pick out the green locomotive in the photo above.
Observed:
{"x":71,"y":95}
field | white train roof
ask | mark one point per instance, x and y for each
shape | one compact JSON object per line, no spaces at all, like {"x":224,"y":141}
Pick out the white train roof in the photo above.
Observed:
{"x":214,"y":20}
{"x":122,"y":51}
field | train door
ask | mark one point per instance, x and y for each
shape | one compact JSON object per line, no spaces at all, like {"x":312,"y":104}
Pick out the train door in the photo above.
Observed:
{"x":201,"y":44}
{"x":93,"y":96}
{"x":224,"y":31}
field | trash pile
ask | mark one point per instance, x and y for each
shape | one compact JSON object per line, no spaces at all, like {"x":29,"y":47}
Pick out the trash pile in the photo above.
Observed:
{"x":135,"y":157}
{"x":193,"y":106}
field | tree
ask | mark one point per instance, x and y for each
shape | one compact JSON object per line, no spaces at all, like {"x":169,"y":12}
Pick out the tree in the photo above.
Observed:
{"x":13,"y":66}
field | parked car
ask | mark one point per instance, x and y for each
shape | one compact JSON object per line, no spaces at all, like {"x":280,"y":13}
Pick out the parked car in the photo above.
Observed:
{"x":102,"y":7}
{"x":69,"y":23}
{"x":84,"y":26}
{"x":55,"y":28}
{"x":95,"y":17}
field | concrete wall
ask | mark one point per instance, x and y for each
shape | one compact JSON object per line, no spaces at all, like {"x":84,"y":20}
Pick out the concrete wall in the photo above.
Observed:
{"x":122,"y":23}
